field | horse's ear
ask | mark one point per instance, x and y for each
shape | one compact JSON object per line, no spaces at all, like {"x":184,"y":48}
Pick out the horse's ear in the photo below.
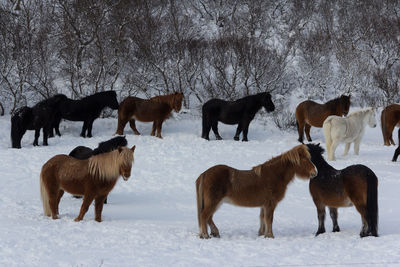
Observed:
{"x":133,"y":148}
{"x":119,"y":149}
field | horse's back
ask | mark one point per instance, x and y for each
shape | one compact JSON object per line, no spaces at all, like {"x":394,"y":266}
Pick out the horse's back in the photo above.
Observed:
{"x":312,"y":113}
{"x":391,"y":114}
{"x":143,"y":109}
{"x":81,"y":152}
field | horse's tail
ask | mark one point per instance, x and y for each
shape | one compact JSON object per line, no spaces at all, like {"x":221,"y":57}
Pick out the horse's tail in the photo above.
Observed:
{"x":205,"y":122}
{"x":327,"y":133}
{"x":383,"y":124}
{"x":45,"y":197}
{"x":372,"y":203}
{"x":199,"y":196}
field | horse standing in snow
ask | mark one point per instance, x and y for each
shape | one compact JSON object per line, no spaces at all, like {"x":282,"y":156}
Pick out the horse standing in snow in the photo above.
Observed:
{"x":309,"y":113}
{"x":390,"y":118}
{"x":347,"y":130}
{"x":262,"y":186}
{"x":241,"y":112}
{"x":355,"y":185}
{"x":93,"y":178}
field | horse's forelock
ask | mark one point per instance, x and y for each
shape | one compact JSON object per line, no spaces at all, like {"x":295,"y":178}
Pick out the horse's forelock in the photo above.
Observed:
{"x":294,"y":155}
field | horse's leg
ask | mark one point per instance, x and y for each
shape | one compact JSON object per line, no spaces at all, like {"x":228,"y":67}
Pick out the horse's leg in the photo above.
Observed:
{"x":89,"y":128}
{"x":37,"y":134}
{"x":210,"y":207}
{"x":206,"y":127}
{"x":213,"y":227}
{"x":45,"y":136}
{"x":300,"y":130}
{"x":321,"y":219}
{"x":84,"y":127}
{"x":153,"y":129}
{"x":268,"y":218}
{"x":334,"y":214}
{"x":159,"y":126}
{"x":60,"y":194}
{"x":87,"y":200}
{"x":346,"y":149}
{"x":214,"y":126}
{"x":98,"y":204}
{"x":261,"y":230}
{"x":307,"y":128}
{"x":331,"y":155}
{"x":238,"y":131}
{"x":357,"y":145}
{"x":132,"y":123}
{"x":245,"y":130}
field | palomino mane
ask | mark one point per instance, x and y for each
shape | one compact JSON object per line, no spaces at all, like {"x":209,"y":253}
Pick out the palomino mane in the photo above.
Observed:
{"x":292,"y":156}
{"x":106,"y":166}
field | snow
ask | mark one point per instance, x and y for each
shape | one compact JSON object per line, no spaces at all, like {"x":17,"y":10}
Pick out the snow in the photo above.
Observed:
{"x":151,"y":219}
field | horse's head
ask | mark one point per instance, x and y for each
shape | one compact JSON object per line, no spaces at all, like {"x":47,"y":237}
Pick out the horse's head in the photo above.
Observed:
{"x":371,"y":118}
{"x":177,"y":102}
{"x":112,"y":101}
{"x":19,"y":124}
{"x":304,"y":167}
{"x":345,"y":104}
{"x":316,"y":152}
{"x":267,"y":102}
{"x":127,"y":160}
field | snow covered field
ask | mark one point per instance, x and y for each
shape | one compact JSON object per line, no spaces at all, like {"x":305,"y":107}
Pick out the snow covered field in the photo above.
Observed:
{"x":151,"y":219}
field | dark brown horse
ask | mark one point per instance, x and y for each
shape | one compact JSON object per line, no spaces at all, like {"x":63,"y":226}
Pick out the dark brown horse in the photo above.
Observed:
{"x":309,"y":113}
{"x":390,"y":117}
{"x":262,"y":186}
{"x":156,"y":109}
{"x":93,"y":178}
{"x":355,"y":185}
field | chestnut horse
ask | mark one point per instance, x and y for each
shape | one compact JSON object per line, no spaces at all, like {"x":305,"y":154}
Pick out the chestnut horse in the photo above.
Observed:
{"x":93,"y":178}
{"x":309,"y":113}
{"x":156,"y":109}
{"x":355,"y":185}
{"x":262,"y":186}
{"x":390,"y":117}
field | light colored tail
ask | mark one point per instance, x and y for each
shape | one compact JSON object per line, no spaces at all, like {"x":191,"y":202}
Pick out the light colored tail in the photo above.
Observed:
{"x":327,"y":133}
{"x":199,"y":196}
{"x":45,"y":197}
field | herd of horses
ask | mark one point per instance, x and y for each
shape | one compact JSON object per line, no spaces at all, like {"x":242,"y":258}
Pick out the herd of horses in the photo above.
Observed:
{"x":92,"y":173}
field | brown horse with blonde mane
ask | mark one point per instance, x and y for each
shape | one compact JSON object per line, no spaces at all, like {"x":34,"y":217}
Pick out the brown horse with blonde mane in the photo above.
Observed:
{"x":156,"y":109}
{"x":262,"y":186}
{"x":310,"y":113}
{"x":93,"y":178}
{"x":390,"y":117}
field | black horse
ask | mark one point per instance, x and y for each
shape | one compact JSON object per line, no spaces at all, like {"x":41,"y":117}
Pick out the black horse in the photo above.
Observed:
{"x":40,"y":116}
{"x":86,"y":109}
{"x":397,"y":151}
{"x":354,"y":185}
{"x":241,"y":111}
{"x":84,"y":152}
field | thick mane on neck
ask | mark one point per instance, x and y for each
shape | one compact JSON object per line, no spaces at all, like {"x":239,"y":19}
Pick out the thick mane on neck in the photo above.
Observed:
{"x":358,"y":112}
{"x":292,"y":156}
{"x":333,"y":101}
{"x":106,"y":166}
{"x":167,"y":99}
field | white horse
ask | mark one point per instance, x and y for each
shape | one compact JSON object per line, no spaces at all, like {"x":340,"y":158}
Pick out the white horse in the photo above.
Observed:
{"x":347,"y":130}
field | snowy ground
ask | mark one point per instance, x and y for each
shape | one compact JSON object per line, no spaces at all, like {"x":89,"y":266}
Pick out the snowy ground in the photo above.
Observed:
{"x":151,"y":219}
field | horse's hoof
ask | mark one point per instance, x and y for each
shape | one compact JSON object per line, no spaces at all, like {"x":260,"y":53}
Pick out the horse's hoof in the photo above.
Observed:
{"x":204,"y":236}
{"x":77,"y":219}
{"x":300,"y":140}
{"x":218,"y":137}
{"x":336,"y":229}
{"x":269,"y":236}
{"x":245,"y":140}
{"x":215,"y":235}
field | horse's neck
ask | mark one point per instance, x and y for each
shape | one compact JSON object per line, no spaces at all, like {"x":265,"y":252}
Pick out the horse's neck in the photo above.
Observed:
{"x":334,"y":107}
{"x":324,"y":167}
{"x":282,"y":171}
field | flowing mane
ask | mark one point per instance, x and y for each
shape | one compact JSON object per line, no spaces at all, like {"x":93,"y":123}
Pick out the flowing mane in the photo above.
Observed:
{"x":106,"y":166}
{"x":292,"y":156}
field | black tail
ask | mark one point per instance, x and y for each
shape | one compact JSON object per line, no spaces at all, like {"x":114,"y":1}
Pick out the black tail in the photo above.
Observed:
{"x":205,"y":123}
{"x":372,"y":204}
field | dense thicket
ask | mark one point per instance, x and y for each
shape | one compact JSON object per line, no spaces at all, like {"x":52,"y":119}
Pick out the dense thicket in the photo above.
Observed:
{"x":203,"y":48}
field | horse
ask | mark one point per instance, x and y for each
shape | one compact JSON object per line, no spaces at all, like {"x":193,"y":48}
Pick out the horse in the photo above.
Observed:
{"x":390,"y":117}
{"x":40,"y":116}
{"x":93,"y":178}
{"x":264,"y":185}
{"x":310,"y":113}
{"x":86,"y":109}
{"x":241,"y":112}
{"x":347,"y":130}
{"x":156,"y":110}
{"x":354,"y":185}
{"x":84,"y":152}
